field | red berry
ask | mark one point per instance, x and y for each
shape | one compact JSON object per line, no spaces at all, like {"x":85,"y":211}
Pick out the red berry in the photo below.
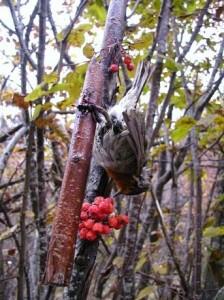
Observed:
{"x":113,"y":68}
{"x":81,"y":225}
{"x":98,"y":227}
{"x":109,"y":199}
{"x":82,"y":233}
{"x":86,"y":206}
{"x":90,"y":235}
{"x":127,"y":59}
{"x":106,"y":229}
{"x":100,"y":216}
{"x":84,"y":215}
{"x":130,"y":67}
{"x":113,"y":222}
{"x":94,"y":210}
{"x":106,"y":207}
{"x":98,"y":200}
{"x":89,"y":223}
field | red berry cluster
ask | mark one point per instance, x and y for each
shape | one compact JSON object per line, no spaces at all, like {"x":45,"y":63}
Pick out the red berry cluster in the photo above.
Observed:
{"x":128,"y":62}
{"x":114,"y":68}
{"x":97,"y":218}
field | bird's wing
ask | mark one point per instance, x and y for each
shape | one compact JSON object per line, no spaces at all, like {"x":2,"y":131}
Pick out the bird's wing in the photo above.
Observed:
{"x":136,"y":127}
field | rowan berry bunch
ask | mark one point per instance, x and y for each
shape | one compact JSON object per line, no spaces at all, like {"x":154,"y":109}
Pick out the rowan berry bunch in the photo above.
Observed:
{"x":128,"y":62}
{"x":99,"y":218}
{"x":114,"y":67}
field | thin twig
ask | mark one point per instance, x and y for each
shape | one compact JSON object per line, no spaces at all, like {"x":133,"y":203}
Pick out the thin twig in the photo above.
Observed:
{"x":9,"y":149}
{"x":134,"y":9}
{"x":168,"y":243}
{"x":198,"y":216}
{"x":23,"y":217}
{"x":68,"y":30}
{"x":19,"y":32}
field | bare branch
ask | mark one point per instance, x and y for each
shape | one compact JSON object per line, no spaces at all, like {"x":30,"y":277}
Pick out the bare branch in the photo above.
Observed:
{"x":163,"y":29}
{"x":9,"y":149}
{"x":6,"y":27}
{"x":169,"y":245}
{"x":66,"y":56}
{"x":23,"y":216}
{"x":67,"y":31}
{"x":198,"y":216}
{"x":197,"y":28}
{"x":19,"y":31}
{"x":134,"y":9}
{"x":217,"y":64}
{"x":173,"y":77}
{"x":5,"y":136}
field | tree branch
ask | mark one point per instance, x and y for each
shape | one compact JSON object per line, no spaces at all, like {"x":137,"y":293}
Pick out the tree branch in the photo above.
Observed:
{"x":198,"y":216}
{"x":169,"y":245}
{"x":65,"y":227}
{"x":163,"y":30}
{"x":67,"y":31}
{"x":9,"y":149}
{"x":22,"y":254}
{"x":19,"y":33}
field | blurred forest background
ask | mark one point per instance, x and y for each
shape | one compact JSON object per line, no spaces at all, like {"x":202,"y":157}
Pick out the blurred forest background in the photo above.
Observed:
{"x":176,"y":253}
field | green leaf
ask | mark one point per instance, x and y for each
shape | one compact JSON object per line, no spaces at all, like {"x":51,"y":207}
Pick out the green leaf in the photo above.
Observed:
{"x":158,"y":149}
{"x":60,"y":87}
{"x":182,"y":127}
{"x":157,"y":4}
{"x":35,"y":94}
{"x":97,"y":11}
{"x":172,"y":65}
{"x":88,"y":50}
{"x":179,"y":99}
{"x":143,"y":259}
{"x":161,"y":269}
{"x":76,"y":38}
{"x":72,"y":84}
{"x":213,"y":231}
{"x":60,"y":36}
{"x":51,"y":77}
{"x":143,"y":42}
{"x":145,"y":292}
{"x":191,"y":6}
{"x":220,"y":197}
{"x":199,"y":37}
{"x":36,"y":112}
{"x":84,"y":27}
{"x":65,"y":103}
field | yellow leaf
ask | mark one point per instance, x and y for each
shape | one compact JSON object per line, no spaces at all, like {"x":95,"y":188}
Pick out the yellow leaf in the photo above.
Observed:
{"x":7,"y":95}
{"x":51,"y":77}
{"x":50,"y":216}
{"x":118,"y":262}
{"x":88,"y":50}
{"x":145,"y":292}
{"x":8,"y":232}
{"x":36,"y":112}
{"x":140,"y":264}
{"x":76,"y":38}
{"x":162,"y":269}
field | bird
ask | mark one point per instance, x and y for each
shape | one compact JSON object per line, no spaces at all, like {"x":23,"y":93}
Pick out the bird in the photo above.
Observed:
{"x":120,"y":144}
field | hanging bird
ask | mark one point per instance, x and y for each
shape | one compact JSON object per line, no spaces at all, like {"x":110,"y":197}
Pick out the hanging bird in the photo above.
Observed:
{"x":120,"y":146}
